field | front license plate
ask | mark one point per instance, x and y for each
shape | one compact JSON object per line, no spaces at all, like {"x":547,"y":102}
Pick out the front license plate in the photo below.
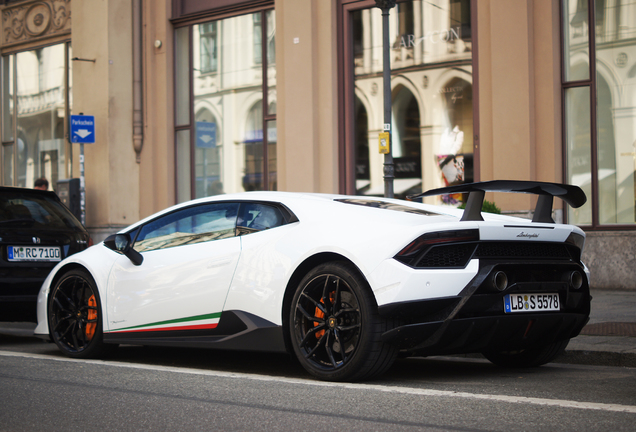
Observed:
{"x":531,"y":302}
{"x":34,"y":253}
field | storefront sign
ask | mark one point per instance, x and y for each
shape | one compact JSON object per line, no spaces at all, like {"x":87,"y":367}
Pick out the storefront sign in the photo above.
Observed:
{"x":449,"y":35}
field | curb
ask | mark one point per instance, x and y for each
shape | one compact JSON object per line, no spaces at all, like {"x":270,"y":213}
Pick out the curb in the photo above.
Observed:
{"x":602,"y":350}
{"x":597,"y":358}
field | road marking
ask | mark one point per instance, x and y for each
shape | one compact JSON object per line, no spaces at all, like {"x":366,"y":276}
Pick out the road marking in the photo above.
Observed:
{"x":353,"y":386}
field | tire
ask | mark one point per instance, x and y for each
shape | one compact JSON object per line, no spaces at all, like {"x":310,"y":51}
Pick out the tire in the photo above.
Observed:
{"x":75,"y":316}
{"x":529,"y":357}
{"x":335,"y":327}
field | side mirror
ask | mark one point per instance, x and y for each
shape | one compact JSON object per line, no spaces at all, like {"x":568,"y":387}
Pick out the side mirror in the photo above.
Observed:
{"x":123,"y":244}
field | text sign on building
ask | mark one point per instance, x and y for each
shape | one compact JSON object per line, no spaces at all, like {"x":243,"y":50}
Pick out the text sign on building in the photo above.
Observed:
{"x":82,"y":129}
{"x":206,"y":134}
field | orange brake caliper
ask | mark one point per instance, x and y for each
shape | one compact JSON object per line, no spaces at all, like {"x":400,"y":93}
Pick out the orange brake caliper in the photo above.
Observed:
{"x":320,"y":314}
{"x":92,"y":315}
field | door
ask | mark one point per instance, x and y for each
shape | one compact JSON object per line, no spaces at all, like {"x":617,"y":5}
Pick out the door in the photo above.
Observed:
{"x":189,"y":260}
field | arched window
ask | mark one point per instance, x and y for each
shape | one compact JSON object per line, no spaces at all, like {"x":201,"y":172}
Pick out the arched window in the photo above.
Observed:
{"x":253,"y":142}
{"x":406,"y":125}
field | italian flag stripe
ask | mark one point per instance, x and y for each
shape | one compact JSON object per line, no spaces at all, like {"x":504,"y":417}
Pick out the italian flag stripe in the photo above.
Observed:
{"x":186,"y":323}
{"x":192,"y":327}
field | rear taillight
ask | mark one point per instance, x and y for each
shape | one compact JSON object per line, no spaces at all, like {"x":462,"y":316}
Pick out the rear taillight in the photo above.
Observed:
{"x":577,"y":240}
{"x":418,"y":247}
{"x":90,"y":242}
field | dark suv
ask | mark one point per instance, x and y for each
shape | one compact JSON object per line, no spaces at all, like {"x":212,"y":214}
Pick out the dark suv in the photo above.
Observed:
{"x":36,"y":232}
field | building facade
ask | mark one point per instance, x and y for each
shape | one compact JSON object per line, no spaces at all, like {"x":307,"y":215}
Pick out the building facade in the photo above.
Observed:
{"x":193,"y":98}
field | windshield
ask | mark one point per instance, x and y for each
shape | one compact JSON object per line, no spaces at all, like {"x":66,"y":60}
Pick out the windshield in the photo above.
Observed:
{"x":386,"y":205}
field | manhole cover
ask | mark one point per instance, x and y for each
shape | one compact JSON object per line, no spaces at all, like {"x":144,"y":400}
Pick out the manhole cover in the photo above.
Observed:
{"x":610,"y":329}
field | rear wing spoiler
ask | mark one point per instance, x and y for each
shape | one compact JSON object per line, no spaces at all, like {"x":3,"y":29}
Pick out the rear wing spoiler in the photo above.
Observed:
{"x":573,"y":195}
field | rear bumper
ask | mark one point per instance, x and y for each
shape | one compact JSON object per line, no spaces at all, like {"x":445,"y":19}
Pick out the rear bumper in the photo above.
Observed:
{"x":500,"y":333}
{"x":476,"y":321}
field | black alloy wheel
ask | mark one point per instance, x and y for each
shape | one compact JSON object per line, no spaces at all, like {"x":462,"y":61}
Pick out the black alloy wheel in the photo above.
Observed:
{"x":75,"y":316}
{"x":335,"y":327}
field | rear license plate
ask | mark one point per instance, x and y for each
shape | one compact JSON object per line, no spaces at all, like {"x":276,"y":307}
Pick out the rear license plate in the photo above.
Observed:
{"x":34,"y":253}
{"x":531,"y":302}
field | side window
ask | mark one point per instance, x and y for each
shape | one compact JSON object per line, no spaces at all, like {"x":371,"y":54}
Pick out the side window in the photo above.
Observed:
{"x":258,"y":217}
{"x":191,"y":225}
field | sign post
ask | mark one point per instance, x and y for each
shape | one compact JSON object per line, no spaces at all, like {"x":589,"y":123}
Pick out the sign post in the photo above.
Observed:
{"x":82,"y":131}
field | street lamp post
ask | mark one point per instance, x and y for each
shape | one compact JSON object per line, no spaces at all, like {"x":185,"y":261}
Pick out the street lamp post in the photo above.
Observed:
{"x":385,"y":138}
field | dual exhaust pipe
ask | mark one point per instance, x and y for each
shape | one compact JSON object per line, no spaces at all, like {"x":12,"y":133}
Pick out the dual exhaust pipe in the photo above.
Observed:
{"x":499,"y":280}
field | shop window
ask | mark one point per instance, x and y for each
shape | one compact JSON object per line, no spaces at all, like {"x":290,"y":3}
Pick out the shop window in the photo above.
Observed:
{"x":223,"y":148}
{"x":34,"y":112}
{"x":432,"y":103}
{"x":599,"y":88}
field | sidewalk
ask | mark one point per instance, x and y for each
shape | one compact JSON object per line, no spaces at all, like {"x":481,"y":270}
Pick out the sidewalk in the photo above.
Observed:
{"x":609,"y":339}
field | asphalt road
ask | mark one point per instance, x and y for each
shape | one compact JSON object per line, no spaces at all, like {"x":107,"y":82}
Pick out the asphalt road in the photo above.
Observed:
{"x":143,"y":388}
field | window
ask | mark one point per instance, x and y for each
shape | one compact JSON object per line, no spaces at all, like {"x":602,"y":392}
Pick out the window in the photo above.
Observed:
{"x":225,"y":105}
{"x":34,"y":89}
{"x":258,"y":217}
{"x":432,"y":98}
{"x":208,"y":49}
{"x":257,"y":31}
{"x":599,"y":94}
{"x":192,"y":225}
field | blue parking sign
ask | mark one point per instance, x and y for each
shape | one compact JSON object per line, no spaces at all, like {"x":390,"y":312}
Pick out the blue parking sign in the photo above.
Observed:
{"x":205,"y":134}
{"x":82,"y":129}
